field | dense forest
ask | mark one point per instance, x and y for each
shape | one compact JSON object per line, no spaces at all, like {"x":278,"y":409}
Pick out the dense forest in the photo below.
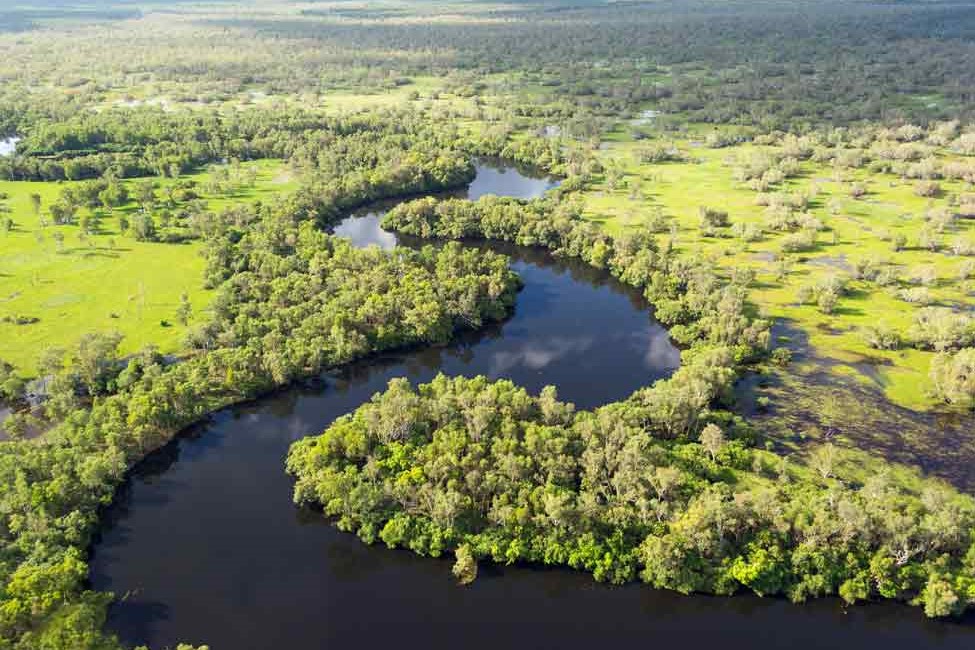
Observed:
{"x":487,"y":471}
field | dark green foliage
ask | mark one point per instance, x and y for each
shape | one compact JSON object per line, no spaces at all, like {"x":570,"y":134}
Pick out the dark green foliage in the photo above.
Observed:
{"x":11,"y":385}
{"x":489,"y":471}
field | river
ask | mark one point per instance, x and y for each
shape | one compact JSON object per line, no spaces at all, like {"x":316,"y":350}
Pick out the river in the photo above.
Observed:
{"x":208,"y":547}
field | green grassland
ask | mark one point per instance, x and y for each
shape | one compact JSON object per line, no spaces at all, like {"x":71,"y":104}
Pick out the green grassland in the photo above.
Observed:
{"x":105,"y":281}
{"x":856,"y":229}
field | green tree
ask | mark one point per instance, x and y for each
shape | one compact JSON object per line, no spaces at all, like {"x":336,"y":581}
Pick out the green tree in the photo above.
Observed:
{"x":712,"y":439}
{"x":35,"y":204}
{"x":465,"y":566}
{"x":185,"y":310}
{"x":143,"y":227}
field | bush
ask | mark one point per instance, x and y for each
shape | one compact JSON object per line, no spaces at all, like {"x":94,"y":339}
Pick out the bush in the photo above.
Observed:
{"x":881,"y":337}
{"x":713,"y":217}
{"x":953,"y":376}
{"x":927,"y":188}
{"x":940,"y":328}
{"x":781,"y":356}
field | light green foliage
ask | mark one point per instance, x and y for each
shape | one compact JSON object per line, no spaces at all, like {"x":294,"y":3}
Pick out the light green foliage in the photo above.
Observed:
{"x":712,"y":439}
{"x":880,"y":245}
{"x":608,"y":493}
{"x":953,"y":376}
{"x":465,"y":568}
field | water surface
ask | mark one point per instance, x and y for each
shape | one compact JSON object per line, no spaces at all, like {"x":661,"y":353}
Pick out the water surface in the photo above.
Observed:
{"x":493,"y":177}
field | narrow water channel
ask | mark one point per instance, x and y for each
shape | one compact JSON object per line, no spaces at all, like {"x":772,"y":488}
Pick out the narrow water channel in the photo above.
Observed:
{"x":208,"y":547}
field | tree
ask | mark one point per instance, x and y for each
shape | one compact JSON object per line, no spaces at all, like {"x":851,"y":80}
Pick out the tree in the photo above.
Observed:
{"x":63,"y":212}
{"x":953,"y":376}
{"x":712,"y":439}
{"x":927,"y":188}
{"x":96,"y":361}
{"x":831,"y":414}
{"x":88,"y":223}
{"x":465,"y":567}
{"x":35,"y":204}
{"x":184,"y":310}
{"x":113,"y":195}
{"x":942,"y":329}
{"x":711,"y":217}
{"x":823,"y":459}
{"x":940,"y":598}
{"x":11,"y":385}
{"x":827,"y":302}
{"x":143,"y":227}
{"x":145,"y":194}
{"x":881,"y":336}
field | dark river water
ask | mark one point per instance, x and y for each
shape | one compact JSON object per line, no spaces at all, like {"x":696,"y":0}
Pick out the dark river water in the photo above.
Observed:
{"x":205,"y":545}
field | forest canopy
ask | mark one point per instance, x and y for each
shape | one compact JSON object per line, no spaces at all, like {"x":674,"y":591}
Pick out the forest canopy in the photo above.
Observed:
{"x":487,"y":471}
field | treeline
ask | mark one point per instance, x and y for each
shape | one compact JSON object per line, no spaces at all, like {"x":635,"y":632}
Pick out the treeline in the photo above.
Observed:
{"x":700,"y":310}
{"x":341,"y":165}
{"x":342,"y":161}
{"x":489,"y":472}
{"x":131,"y":142}
{"x":779,"y":67}
{"x":911,"y":151}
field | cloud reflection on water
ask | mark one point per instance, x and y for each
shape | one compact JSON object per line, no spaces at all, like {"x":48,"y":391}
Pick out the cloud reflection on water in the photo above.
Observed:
{"x":365,"y":231}
{"x":658,"y":352}
{"x":537,"y":355}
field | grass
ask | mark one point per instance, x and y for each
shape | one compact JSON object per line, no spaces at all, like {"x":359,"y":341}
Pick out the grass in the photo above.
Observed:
{"x":861,"y":229}
{"x":110,"y":281}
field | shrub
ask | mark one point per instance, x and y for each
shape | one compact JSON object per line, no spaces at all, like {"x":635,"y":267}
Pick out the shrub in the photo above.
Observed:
{"x":927,"y":188}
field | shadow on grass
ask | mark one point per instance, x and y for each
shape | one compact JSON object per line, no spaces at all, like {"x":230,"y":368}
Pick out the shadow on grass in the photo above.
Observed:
{"x":93,"y":252}
{"x":847,"y":310}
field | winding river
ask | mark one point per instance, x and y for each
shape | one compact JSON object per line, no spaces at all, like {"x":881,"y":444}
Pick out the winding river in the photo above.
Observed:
{"x":206,"y":545}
